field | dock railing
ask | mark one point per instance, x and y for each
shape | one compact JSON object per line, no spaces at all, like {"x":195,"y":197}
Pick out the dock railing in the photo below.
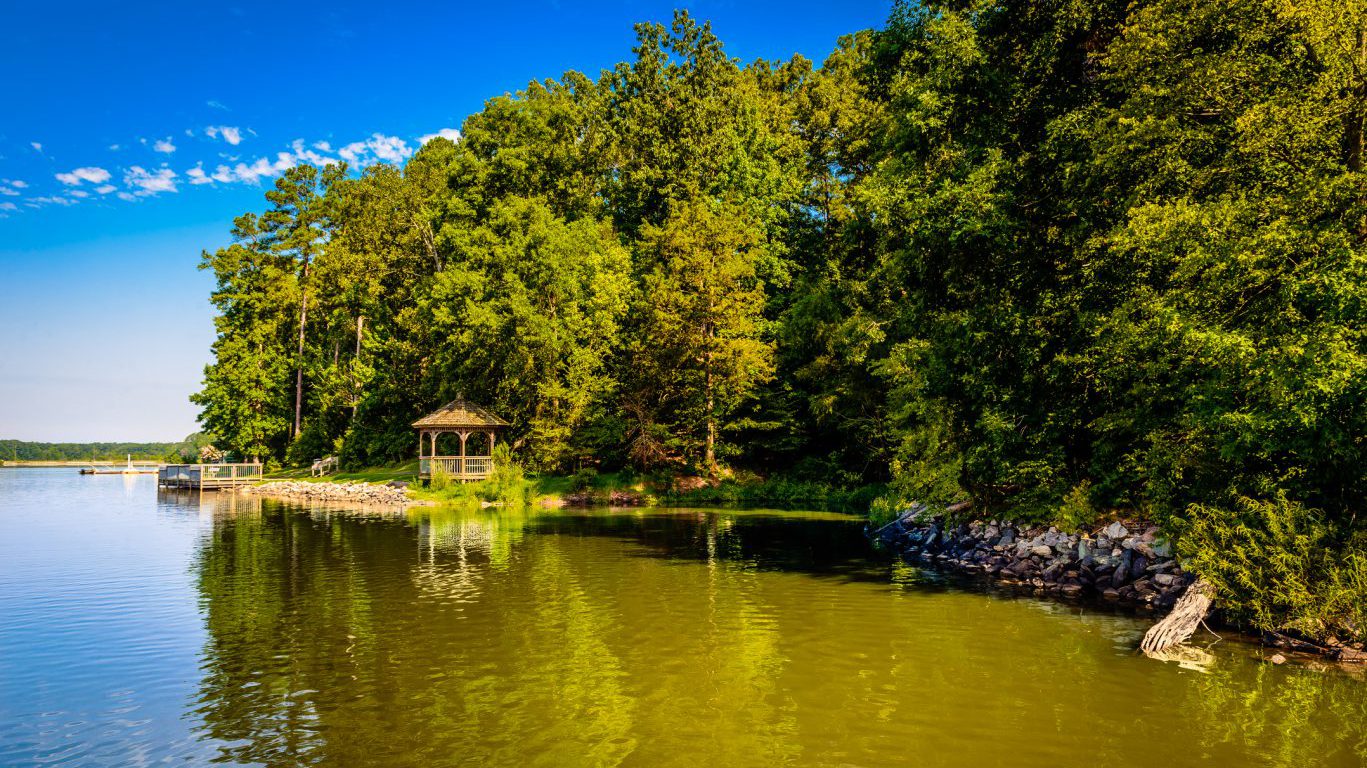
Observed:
{"x":208,"y":475}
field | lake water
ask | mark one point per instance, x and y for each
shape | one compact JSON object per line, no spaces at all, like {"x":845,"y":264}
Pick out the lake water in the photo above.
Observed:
{"x":139,"y":628}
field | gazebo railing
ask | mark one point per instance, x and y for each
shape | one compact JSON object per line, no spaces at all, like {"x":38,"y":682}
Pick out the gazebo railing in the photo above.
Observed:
{"x":457,"y":467}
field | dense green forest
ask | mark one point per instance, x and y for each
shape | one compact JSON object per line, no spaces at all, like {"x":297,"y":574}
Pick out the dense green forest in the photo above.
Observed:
{"x":20,"y":450}
{"x":1052,"y":257}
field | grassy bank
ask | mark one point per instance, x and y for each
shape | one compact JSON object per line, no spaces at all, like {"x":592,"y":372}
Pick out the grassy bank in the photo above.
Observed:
{"x":592,"y":487}
{"x":406,"y":471}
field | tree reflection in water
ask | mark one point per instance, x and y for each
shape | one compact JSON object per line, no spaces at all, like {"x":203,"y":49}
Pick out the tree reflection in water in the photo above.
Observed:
{"x":521,"y":636}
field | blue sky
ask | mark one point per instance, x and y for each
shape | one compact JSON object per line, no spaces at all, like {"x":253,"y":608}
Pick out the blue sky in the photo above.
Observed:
{"x":130,"y":135}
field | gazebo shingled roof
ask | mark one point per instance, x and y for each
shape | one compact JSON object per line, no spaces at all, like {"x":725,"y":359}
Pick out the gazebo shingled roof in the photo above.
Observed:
{"x":460,"y":414}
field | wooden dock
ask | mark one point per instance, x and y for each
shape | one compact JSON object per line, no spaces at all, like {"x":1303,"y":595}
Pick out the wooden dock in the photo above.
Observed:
{"x":208,"y":476}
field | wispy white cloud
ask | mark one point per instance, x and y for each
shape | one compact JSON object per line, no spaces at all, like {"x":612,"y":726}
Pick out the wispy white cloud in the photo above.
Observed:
{"x":91,"y":174}
{"x":302,"y":154}
{"x":35,"y":202}
{"x":8,"y":206}
{"x":250,"y":173}
{"x":36,"y":146}
{"x":446,"y":133}
{"x":211,"y":104}
{"x":198,"y":176}
{"x":261,"y":167}
{"x":144,"y":183}
{"x":388,"y":149}
{"x":139,"y":182}
{"x":230,"y":134}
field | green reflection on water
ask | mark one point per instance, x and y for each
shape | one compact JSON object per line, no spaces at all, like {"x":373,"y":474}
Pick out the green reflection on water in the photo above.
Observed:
{"x":519,"y":636}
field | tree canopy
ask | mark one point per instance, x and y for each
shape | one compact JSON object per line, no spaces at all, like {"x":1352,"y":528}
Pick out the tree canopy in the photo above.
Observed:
{"x":1000,"y":252}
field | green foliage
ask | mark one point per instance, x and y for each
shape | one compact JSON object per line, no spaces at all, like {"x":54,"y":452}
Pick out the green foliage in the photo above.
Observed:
{"x":885,"y":509}
{"x":439,"y":480}
{"x":1077,"y":510}
{"x":699,"y":335}
{"x":782,"y":493}
{"x":531,"y":306}
{"x":311,"y":443}
{"x":507,"y":485}
{"x":1048,"y":257}
{"x":1281,"y":565}
{"x":508,"y":482}
{"x":21,"y":450}
{"x":583,"y":479}
{"x":506,"y":266}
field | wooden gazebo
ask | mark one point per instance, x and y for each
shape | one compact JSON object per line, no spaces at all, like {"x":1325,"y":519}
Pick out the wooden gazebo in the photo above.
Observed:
{"x":464,"y":419}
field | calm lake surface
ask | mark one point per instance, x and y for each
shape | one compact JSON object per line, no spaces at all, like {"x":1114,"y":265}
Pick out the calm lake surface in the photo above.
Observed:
{"x":139,"y":628}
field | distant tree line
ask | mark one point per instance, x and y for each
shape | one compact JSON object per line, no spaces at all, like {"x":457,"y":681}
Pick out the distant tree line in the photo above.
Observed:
{"x":1040,"y":255}
{"x":20,"y":450}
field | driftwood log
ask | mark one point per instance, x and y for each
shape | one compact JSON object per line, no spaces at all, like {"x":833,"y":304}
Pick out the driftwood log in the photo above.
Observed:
{"x":1181,"y":624}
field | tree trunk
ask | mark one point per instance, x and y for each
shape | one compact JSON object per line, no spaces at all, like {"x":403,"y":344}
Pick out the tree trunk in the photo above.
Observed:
{"x":710,"y":448}
{"x":1186,"y":616}
{"x":429,"y":242}
{"x":355,"y":395}
{"x":299,"y":370}
{"x":1353,"y":133}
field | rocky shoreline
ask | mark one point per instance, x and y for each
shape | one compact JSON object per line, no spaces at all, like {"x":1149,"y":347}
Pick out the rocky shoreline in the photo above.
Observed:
{"x":393,"y":494}
{"x":1126,"y":562}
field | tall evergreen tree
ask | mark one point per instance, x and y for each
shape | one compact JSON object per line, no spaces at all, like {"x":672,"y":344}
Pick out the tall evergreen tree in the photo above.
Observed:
{"x":295,"y":227}
{"x":699,"y":350}
{"x":244,"y":398}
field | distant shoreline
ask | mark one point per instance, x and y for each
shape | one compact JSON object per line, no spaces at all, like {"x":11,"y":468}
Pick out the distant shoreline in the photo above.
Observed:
{"x":63,"y":463}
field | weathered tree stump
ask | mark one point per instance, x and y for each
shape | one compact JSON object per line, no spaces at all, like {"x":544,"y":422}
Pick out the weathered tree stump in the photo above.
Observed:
{"x":1181,"y":624}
